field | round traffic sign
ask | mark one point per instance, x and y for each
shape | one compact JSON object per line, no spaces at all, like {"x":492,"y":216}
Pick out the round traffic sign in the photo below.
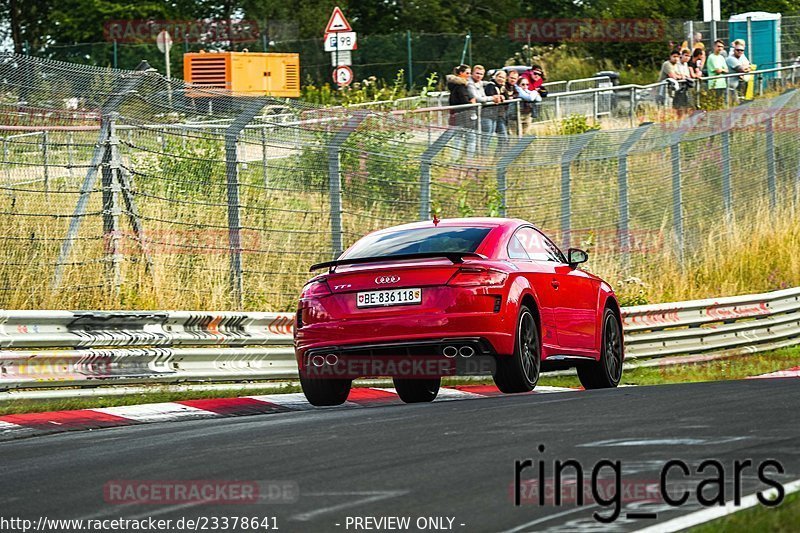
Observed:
{"x":164,"y":41}
{"x":342,"y":75}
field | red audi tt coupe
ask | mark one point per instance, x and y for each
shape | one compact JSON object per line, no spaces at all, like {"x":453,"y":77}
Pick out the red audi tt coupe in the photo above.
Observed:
{"x":419,"y":301}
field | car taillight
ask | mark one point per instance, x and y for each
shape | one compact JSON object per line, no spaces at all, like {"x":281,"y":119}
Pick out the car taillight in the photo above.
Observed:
{"x":474,"y":276}
{"x":316,"y":288}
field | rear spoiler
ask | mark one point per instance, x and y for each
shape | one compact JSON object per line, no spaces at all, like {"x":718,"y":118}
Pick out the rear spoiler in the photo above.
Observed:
{"x":455,"y":257}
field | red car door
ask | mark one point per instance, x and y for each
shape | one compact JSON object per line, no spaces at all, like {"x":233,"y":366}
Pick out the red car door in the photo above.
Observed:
{"x":539,"y":274}
{"x":573,"y":295}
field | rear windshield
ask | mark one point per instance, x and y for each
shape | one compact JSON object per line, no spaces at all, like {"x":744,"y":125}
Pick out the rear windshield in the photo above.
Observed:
{"x":416,"y":241}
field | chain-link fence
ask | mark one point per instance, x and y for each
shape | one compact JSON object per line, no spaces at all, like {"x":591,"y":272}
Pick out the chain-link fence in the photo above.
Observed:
{"x":119,"y":189}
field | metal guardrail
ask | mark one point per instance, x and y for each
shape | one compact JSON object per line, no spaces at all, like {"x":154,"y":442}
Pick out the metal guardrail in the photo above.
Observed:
{"x":90,"y":348}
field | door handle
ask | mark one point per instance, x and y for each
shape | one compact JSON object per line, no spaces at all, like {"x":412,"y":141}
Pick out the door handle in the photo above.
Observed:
{"x":555,"y":284}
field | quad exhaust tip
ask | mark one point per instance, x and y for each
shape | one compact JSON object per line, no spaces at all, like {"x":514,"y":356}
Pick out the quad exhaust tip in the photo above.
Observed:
{"x":466,"y":351}
{"x":450,"y":351}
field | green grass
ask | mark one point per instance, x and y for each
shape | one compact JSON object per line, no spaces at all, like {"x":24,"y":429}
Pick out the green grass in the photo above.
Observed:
{"x":781,"y":519}
{"x":735,"y":367}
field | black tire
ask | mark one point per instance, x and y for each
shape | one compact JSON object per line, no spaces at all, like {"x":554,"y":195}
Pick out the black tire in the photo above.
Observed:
{"x":520,"y":372}
{"x":607,"y":372}
{"x":417,"y":390}
{"x":324,"y":392}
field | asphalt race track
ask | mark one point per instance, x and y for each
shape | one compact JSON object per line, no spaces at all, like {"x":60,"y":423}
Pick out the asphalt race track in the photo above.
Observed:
{"x":450,"y":461}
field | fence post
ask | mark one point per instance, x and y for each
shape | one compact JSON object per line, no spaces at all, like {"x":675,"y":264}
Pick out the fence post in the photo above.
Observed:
{"x":250,"y":110}
{"x":426,"y":159}
{"x":335,"y":179}
{"x":264,"y":155}
{"x":578,"y":143}
{"x":622,"y":191}
{"x":45,"y":160}
{"x":677,"y":186}
{"x":410,"y":64}
{"x":70,"y":157}
{"x":727,"y":194}
{"x":122,"y":88}
{"x":111,"y":209}
{"x":510,"y":156}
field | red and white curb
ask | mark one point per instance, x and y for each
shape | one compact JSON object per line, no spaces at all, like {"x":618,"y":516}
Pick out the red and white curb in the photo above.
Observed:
{"x":30,"y":424}
{"x":789,"y":373}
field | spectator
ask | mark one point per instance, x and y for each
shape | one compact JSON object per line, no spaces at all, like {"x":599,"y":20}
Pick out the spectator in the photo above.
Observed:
{"x":669,"y":71}
{"x":500,"y":113}
{"x":510,"y":92}
{"x":529,"y":99}
{"x":680,"y":102}
{"x":459,"y":95}
{"x":715,"y":66}
{"x":477,"y":91}
{"x":738,"y":62}
{"x":696,"y":63}
{"x":536,"y":79}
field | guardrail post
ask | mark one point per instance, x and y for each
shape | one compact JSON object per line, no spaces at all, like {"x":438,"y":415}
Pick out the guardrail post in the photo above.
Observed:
{"x":425,"y":171}
{"x":677,"y":187}
{"x":335,"y":179}
{"x":250,"y":110}
{"x":510,"y":156}
{"x":46,"y":161}
{"x":727,"y":194}
{"x":622,"y":190}
{"x":578,"y":143}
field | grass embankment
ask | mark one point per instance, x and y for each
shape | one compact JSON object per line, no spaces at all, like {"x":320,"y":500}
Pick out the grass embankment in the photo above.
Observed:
{"x":781,"y":519}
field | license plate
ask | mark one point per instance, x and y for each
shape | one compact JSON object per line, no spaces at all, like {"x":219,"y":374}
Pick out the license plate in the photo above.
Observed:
{"x":389,"y":297}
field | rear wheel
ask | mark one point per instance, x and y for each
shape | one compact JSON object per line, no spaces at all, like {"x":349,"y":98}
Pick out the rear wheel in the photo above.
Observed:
{"x":323,"y":392}
{"x":417,"y":390}
{"x":520,"y":372}
{"x":607,"y":372}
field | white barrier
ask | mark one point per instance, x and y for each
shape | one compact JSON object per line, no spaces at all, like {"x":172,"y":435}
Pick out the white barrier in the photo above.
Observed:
{"x":122,"y":347}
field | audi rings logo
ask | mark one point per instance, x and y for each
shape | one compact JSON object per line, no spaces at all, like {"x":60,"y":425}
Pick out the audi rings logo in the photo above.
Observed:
{"x":383,"y":280}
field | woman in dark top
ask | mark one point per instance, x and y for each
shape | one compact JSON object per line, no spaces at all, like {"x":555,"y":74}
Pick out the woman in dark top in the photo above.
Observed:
{"x":457,"y":85}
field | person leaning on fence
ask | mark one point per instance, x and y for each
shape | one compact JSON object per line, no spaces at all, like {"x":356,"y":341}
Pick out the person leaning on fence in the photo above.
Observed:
{"x":529,"y":100}
{"x":668,"y":72}
{"x":459,"y":95}
{"x":696,"y":63}
{"x":715,"y":66}
{"x":680,"y":100}
{"x":511,"y":93}
{"x":499,"y":114}
{"x":738,"y":62}
{"x":477,"y":90}
{"x":535,"y":76}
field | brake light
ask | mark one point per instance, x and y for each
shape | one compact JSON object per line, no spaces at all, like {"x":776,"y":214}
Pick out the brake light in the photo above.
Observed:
{"x":474,"y":276}
{"x":316,"y":288}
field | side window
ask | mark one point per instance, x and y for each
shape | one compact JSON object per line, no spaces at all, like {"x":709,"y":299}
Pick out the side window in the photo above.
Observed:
{"x":535,"y":245}
{"x":515,"y":249}
{"x":552,"y":250}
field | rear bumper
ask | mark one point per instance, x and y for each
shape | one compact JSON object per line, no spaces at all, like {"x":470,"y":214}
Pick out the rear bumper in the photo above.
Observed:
{"x":420,"y":335}
{"x":422,"y":359}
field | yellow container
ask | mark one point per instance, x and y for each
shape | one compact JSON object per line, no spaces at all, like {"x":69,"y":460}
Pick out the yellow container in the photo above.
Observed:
{"x":245,"y":73}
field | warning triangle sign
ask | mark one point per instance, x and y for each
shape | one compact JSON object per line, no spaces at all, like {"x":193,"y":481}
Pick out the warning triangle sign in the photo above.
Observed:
{"x":337,"y":22}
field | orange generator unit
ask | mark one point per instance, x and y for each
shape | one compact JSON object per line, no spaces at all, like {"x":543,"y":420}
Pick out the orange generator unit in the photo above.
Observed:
{"x":244,"y":73}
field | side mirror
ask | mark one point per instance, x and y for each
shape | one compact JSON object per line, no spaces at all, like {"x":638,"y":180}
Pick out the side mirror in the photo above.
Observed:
{"x":576,"y":256}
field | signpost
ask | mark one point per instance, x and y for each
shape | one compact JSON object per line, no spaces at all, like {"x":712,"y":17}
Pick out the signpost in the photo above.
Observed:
{"x":164,"y":43}
{"x":340,"y":40}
